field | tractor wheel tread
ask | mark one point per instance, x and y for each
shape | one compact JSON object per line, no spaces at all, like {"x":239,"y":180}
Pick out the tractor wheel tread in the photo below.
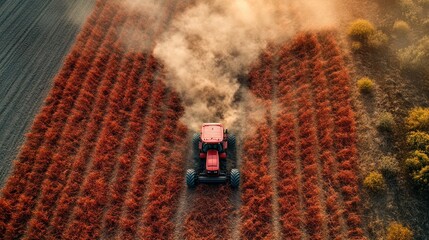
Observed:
{"x":235,"y":178}
{"x":191,"y":178}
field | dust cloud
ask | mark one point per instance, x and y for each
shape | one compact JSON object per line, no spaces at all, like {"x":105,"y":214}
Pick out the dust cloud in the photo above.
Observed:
{"x":212,"y":43}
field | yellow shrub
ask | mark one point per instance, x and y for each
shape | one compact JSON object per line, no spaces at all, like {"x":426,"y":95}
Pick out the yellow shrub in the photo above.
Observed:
{"x":360,"y":29}
{"x":356,"y":46}
{"x":386,"y":122}
{"x":398,"y":232}
{"x":374,"y":182}
{"x":422,"y":176}
{"x":416,"y":56}
{"x":418,"y":119}
{"x":377,"y":40}
{"x":401,"y":27}
{"x":388,"y":166}
{"x":417,"y":160}
{"x":365,"y":85}
{"x":418,"y":140}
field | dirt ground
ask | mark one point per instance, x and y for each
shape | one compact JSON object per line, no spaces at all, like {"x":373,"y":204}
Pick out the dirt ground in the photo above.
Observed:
{"x":35,"y":36}
{"x":395,"y":93}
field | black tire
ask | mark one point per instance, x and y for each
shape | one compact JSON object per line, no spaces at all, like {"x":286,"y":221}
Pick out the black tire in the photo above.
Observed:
{"x":199,"y":164}
{"x":195,"y":145}
{"x":231,"y":151}
{"x":191,"y":178}
{"x":234,"y":178}
{"x":231,"y":142}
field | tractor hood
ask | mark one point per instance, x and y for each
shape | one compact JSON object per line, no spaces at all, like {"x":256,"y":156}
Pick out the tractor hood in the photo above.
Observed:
{"x":212,"y":161}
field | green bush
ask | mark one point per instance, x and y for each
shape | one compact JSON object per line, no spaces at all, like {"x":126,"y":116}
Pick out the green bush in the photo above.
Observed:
{"x":418,"y":119}
{"x":388,"y":166}
{"x":386,"y":122}
{"x":360,"y":29}
{"x":401,"y":27}
{"x":415,"y":57}
{"x":397,"y":231}
{"x":377,"y":40}
{"x":374,"y":182}
{"x":365,"y":85}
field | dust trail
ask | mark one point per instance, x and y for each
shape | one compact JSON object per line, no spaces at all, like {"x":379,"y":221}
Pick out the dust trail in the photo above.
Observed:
{"x":213,"y":42}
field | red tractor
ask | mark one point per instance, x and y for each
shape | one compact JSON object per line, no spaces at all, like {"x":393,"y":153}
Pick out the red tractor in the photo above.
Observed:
{"x":212,"y":147}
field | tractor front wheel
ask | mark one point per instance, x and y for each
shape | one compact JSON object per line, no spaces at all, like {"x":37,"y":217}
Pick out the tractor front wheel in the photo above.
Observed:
{"x":191,"y":178}
{"x":235,"y":178}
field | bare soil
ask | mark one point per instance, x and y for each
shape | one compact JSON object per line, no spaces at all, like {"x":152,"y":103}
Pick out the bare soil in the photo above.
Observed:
{"x":35,"y":36}
{"x":396,"y":93}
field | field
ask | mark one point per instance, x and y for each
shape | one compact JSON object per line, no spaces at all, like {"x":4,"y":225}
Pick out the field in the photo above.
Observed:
{"x":106,"y":155}
{"x":33,"y":48}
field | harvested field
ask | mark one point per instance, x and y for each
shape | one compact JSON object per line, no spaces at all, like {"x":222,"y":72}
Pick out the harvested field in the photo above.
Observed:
{"x":106,"y":155}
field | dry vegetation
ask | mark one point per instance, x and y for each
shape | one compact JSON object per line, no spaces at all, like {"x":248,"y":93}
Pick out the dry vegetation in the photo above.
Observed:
{"x":105,"y":157}
{"x":392,"y":130}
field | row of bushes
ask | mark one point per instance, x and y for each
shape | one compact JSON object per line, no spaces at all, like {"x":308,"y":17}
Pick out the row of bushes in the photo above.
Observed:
{"x":324,"y":117}
{"x":257,"y":186}
{"x":418,"y":141}
{"x":86,"y":219}
{"x":288,"y":187}
{"x":417,"y":164}
{"x":74,"y":130}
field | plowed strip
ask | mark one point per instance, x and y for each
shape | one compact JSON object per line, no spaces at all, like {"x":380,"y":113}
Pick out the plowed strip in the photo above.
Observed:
{"x":16,"y":183}
{"x":68,"y":145}
{"x":42,"y":158}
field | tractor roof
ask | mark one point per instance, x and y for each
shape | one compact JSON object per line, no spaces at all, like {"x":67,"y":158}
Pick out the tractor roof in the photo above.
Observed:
{"x":212,"y":132}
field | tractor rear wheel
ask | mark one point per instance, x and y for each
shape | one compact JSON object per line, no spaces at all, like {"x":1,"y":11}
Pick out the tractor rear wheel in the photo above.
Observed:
{"x":234,"y":178}
{"x":191,"y":178}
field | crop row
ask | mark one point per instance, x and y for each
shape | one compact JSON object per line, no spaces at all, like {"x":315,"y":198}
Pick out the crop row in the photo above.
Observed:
{"x":326,"y":129}
{"x":257,"y":193}
{"x":167,"y":178}
{"x":289,"y":186}
{"x":94,"y":189}
{"x":261,"y":76}
{"x":138,"y":182}
{"x":130,"y":142}
{"x":69,"y":143}
{"x":311,"y":190}
{"x":345,"y":133}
